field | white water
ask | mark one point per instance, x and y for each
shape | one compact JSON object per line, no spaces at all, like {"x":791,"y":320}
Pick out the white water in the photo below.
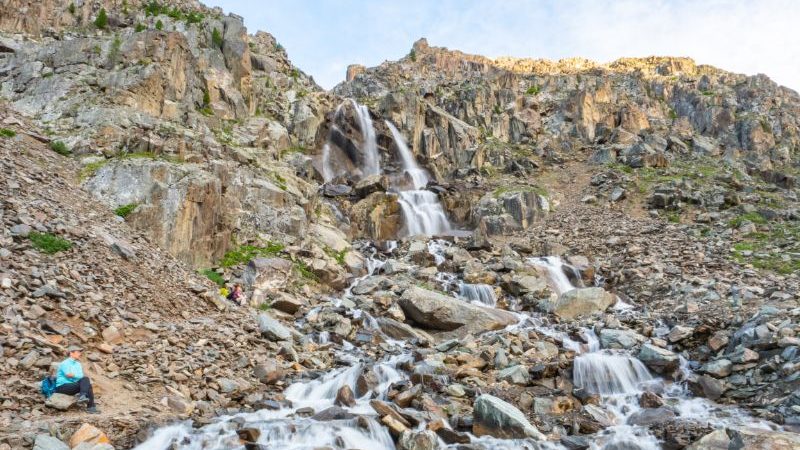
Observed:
{"x":437,"y":248}
{"x":422,"y":211}
{"x":480,"y":293}
{"x":327,"y":171}
{"x":557,"y":276}
{"x":372,"y":161}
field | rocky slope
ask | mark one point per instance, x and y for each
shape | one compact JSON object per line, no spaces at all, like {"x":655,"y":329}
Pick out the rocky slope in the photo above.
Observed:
{"x":165,"y":139}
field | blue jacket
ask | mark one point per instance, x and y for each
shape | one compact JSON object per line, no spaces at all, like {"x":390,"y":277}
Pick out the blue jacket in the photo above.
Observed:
{"x":72,"y":366}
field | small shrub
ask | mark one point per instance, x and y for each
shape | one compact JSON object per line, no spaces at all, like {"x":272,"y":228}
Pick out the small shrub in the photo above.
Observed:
{"x":71,"y":8}
{"x":304,"y":271}
{"x":206,"y":98}
{"x":194,"y":17}
{"x":212,"y":275}
{"x":674,"y":217}
{"x":216,"y":38}
{"x":338,"y":256}
{"x":264,"y":307}
{"x":278,"y":47}
{"x":6,"y":133}
{"x":245,"y":253}
{"x":90,"y":169}
{"x":125,"y":210}
{"x":101,"y":21}
{"x":294,"y":74}
{"x":533,"y":90}
{"x":159,"y":25}
{"x":140,"y":27}
{"x":49,"y":243}
{"x":60,"y":148}
{"x":672,"y":114}
{"x":113,"y":53}
{"x":412,"y":55}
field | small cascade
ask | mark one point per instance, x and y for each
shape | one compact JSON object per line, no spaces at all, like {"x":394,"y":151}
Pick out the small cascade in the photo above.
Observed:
{"x":609,"y":374}
{"x":481,"y":293}
{"x":557,"y":276}
{"x":437,"y":248}
{"x":422,"y":210}
{"x":372,"y":160}
{"x":327,"y":170}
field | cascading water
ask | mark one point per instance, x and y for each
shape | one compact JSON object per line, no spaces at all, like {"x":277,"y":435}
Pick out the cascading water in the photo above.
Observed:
{"x":556,"y":274}
{"x":481,"y":293}
{"x":372,"y":160}
{"x":422,"y":211}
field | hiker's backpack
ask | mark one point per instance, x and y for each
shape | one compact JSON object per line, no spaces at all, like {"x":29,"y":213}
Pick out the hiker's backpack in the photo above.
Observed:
{"x":48,"y":386}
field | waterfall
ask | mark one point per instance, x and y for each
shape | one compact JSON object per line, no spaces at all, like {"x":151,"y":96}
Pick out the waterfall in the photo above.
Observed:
{"x":608,"y":374}
{"x":422,"y":211}
{"x":555,"y":269}
{"x":372,"y":161}
{"x":327,"y":170}
{"x":482,"y":293}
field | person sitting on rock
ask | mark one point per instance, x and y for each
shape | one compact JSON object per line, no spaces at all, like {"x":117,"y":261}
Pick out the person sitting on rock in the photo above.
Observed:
{"x":237,"y":295}
{"x":71,"y":381}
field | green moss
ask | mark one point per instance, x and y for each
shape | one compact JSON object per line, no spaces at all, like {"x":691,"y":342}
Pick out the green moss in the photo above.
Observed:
{"x":620,"y":167}
{"x":753,"y":217}
{"x":338,"y":256}
{"x":533,"y":90}
{"x":49,"y":243}
{"x":140,"y":27}
{"x":674,"y":217}
{"x":159,"y":25}
{"x":264,"y":307}
{"x":89,"y":170}
{"x":212,"y":275}
{"x":776,"y":249}
{"x":6,"y":133}
{"x":124,"y":210}
{"x":244,"y":253}
{"x":672,"y":114}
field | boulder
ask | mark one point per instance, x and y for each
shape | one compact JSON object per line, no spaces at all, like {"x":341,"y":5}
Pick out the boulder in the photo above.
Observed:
{"x":88,"y":434}
{"x":580,"y":302}
{"x":658,"y":359}
{"x":651,"y":416}
{"x":418,"y":440}
{"x":345,"y":397}
{"x":719,"y":368}
{"x":272,"y":329}
{"x":708,"y":387}
{"x":620,"y":339}
{"x":372,"y":184}
{"x":266,"y":276}
{"x":759,"y":439}
{"x":46,"y":442}
{"x":716,"y":440}
{"x":515,"y":375}
{"x":497,"y":418}
{"x":61,"y":402}
{"x":679,"y":333}
{"x":436,"y":311}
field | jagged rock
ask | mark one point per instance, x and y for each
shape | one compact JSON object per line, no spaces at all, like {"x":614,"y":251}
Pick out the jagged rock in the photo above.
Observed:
{"x":372,"y":184}
{"x":720,"y":368}
{"x":708,"y":387}
{"x":272,"y":329}
{"x":515,"y":375}
{"x":88,"y":434}
{"x":265,"y":276}
{"x":268,"y":372}
{"x":495,"y":417}
{"x":716,"y":440}
{"x":580,"y":302}
{"x":759,"y":439}
{"x":440,"y":312}
{"x":658,"y":359}
{"x":651,"y":416}
{"x":679,"y":333}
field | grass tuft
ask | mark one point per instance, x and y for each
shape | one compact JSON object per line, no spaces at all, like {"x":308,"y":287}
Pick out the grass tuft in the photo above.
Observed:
{"x":49,"y":243}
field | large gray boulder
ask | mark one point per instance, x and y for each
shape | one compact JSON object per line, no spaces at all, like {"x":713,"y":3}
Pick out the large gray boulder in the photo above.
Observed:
{"x":61,"y":402}
{"x":495,"y":417}
{"x":658,"y":359}
{"x":435,"y":311}
{"x":265,"y":277}
{"x":47,"y":442}
{"x":620,"y":339}
{"x":272,"y":329}
{"x":580,"y":302}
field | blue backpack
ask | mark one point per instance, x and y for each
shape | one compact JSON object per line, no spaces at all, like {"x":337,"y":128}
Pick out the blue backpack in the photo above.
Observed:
{"x":48,"y":386}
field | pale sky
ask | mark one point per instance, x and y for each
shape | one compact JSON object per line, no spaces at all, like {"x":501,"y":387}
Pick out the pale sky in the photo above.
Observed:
{"x":323,"y":36}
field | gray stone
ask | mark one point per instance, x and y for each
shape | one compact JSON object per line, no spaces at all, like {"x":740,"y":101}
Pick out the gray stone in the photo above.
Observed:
{"x":495,"y":417}
{"x":515,"y":375}
{"x":272,"y":329}
{"x":651,"y":416}
{"x":658,"y":359}
{"x":620,"y":339}
{"x":679,"y":333}
{"x":719,"y":368}
{"x":580,"y":302}
{"x":61,"y":402}
{"x":418,"y":440}
{"x":46,"y":442}
{"x":21,"y":230}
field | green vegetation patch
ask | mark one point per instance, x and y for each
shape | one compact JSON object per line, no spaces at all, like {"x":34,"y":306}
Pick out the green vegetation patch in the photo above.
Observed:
{"x":533,"y":90}
{"x":776,"y":249}
{"x":6,"y":133}
{"x":338,"y":256}
{"x":244,"y":253}
{"x":302,"y":268}
{"x":125,"y":210}
{"x":101,"y":21}
{"x":49,"y":243}
{"x":212,"y":275}
{"x":216,"y":38}
{"x":753,"y":217}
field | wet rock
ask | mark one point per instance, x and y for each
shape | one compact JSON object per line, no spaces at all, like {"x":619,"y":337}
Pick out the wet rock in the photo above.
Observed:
{"x":418,"y":440}
{"x":401,"y":331}
{"x":658,"y":359}
{"x":436,"y":311}
{"x":716,"y":440}
{"x":268,"y":372}
{"x":333,"y":413}
{"x":743,"y":355}
{"x":580,"y":302}
{"x":575,"y":442}
{"x":759,"y":439}
{"x":650,"y":400}
{"x":651,"y":416}
{"x":708,"y":387}
{"x":372,"y":184}
{"x":248,"y":435}
{"x":620,"y":339}
{"x":495,"y":417}
{"x":46,"y":442}
{"x":345,"y":397}
{"x":272,"y":329}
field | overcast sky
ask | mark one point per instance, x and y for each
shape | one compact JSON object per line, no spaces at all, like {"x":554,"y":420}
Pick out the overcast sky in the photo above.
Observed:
{"x":323,"y":36}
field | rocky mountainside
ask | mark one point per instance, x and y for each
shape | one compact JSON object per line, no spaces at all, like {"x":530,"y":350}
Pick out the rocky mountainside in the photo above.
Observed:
{"x":445,"y":251}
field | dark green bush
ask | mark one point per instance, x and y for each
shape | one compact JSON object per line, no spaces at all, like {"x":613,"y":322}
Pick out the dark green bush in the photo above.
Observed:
{"x":60,"y":148}
{"x":102,"y":19}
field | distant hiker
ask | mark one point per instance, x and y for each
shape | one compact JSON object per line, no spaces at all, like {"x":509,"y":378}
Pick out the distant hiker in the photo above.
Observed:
{"x":237,"y":295}
{"x":71,"y":381}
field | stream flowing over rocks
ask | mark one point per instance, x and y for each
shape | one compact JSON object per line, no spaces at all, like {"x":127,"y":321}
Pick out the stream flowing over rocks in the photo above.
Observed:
{"x":446,"y":251}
